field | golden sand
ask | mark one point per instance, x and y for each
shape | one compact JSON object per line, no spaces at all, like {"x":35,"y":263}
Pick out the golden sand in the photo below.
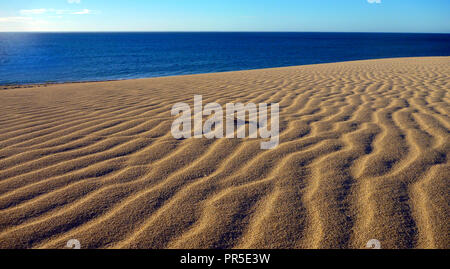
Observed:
{"x":363,"y":155}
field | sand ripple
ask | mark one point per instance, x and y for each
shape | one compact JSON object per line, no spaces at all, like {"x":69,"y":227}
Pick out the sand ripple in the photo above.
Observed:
{"x":363,"y":154}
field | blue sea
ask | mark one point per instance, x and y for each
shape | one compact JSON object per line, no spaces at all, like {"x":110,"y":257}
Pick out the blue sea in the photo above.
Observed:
{"x":71,"y":57}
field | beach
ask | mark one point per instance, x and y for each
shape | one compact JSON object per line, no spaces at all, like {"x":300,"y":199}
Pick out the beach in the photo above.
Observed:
{"x":363,"y":154}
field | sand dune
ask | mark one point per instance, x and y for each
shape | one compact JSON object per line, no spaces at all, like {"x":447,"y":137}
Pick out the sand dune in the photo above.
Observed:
{"x":363,"y":154}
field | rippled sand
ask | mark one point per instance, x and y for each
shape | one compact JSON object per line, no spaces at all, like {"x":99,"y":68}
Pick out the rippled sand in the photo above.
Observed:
{"x":363,"y":154}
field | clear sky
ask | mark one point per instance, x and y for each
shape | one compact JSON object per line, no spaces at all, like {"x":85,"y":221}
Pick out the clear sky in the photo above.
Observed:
{"x":226,"y":15}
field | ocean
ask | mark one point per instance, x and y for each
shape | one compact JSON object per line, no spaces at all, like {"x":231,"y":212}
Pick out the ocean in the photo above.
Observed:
{"x":27,"y":58}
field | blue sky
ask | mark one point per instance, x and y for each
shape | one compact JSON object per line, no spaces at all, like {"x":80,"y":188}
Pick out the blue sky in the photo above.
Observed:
{"x":226,"y":15}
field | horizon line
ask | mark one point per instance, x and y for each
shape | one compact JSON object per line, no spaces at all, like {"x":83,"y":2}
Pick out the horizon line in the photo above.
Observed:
{"x":157,"y":31}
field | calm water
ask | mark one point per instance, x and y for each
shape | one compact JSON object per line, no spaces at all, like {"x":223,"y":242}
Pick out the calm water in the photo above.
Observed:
{"x":63,"y":57}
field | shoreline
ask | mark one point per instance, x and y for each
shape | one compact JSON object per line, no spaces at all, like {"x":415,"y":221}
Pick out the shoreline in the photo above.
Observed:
{"x":46,"y":84}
